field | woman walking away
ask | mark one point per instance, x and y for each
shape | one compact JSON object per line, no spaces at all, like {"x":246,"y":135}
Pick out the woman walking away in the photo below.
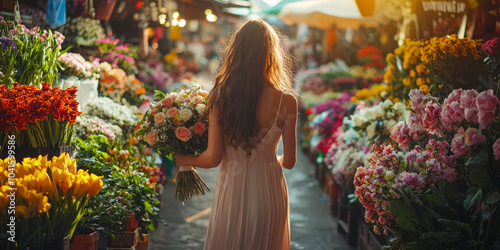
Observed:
{"x":251,"y":106}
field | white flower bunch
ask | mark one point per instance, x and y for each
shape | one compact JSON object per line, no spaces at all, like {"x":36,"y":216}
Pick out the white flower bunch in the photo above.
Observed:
{"x":107,"y":109}
{"x":75,"y":65}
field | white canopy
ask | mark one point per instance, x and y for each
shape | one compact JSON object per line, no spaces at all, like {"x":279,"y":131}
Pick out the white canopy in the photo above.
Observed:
{"x":324,"y":13}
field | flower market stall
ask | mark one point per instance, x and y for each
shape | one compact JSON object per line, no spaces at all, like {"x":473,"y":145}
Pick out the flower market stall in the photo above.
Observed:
{"x":410,"y":161}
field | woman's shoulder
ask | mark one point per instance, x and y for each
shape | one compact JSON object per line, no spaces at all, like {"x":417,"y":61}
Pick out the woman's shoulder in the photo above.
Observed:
{"x":289,"y":99}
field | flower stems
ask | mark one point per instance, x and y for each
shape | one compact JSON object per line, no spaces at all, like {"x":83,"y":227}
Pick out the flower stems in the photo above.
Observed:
{"x":189,"y":184}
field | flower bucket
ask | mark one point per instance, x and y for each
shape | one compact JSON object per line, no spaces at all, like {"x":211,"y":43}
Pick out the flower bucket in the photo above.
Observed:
{"x":125,"y":239}
{"x":143,"y":244}
{"x":104,"y":9}
{"x":22,"y":153}
{"x":85,"y":242}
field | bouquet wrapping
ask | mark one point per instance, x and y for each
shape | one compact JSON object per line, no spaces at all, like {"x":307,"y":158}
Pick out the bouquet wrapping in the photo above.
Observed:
{"x":178,"y":124}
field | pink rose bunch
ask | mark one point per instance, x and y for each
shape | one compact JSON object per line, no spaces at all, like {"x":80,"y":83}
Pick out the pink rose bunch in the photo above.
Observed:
{"x":486,"y":103}
{"x":401,"y":134}
{"x":177,"y":123}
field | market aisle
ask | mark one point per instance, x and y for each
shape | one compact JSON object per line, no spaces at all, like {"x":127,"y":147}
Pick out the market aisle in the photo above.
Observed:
{"x":312,"y":226}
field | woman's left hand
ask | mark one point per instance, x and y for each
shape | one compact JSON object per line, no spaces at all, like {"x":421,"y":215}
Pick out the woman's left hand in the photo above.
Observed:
{"x":181,"y":160}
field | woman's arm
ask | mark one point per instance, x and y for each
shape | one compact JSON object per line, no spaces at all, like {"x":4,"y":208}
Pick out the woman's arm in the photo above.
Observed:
{"x":211,"y":157}
{"x":289,"y":133}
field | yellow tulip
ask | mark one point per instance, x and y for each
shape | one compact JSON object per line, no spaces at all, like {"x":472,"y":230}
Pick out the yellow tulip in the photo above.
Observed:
{"x":61,"y":179}
{"x":95,"y":184}
{"x":71,"y":163}
{"x":4,"y":199}
{"x":43,"y":205}
{"x":44,"y":182}
{"x":60,"y":162}
{"x":81,"y":186}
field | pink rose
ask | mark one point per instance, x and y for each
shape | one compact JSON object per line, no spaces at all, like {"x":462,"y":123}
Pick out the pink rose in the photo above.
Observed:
{"x":151,"y":139}
{"x":199,"y":128}
{"x":168,"y":101}
{"x":468,"y":99}
{"x":159,"y":118}
{"x":154,"y":111}
{"x":496,"y":149}
{"x":416,"y":127}
{"x":183,"y":134}
{"x":473,"y":137}
{"x":458,"y":146}
{"x":147,"y":151}
{"x":471,"y":115}
{"x":198,"y":100}
{"x":486,"y":101}
{"x":172,"y":112}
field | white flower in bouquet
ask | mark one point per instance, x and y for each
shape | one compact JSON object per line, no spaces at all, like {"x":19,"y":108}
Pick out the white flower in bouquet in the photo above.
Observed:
{"x":200,"y":108}
{"x":185,"y":114}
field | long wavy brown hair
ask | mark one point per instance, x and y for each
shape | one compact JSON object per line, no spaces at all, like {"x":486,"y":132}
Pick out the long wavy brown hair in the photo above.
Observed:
{"x":253,"y":57}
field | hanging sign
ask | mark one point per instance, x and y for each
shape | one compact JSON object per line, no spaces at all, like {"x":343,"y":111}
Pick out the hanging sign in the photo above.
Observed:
{"x":439,"y":17}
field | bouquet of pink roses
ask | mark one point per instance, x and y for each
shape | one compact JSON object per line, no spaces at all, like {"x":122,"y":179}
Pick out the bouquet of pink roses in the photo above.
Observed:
{"x":178,"y":124}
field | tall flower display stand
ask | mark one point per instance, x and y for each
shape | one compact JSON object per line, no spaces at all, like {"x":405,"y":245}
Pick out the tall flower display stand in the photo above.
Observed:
{"x":87,"y":91}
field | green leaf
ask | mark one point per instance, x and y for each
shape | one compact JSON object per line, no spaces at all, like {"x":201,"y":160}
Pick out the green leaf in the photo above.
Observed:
{"x":435,"y":200}
{"x":478,"y":160}
{"x":406,"y":223}
{"x":443,"y":237}
{"x":398,"y":208}
{"x":451,"y":224}
{"x":474,"y":196}
{"x":159,"y":94}
{"x":492,"y":198}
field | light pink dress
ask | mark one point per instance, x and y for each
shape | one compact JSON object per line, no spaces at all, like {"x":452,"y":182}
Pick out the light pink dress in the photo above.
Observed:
{"x":250,"y":205}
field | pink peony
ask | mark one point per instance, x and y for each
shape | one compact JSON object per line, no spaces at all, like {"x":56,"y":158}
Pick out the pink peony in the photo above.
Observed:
{"x":496,"y":149}
{"x":486,"y":118}
{"x":400,"y":133}
{"x":454,"y":96}
{"x":199,"y":128}
{"x":172,"y":112}
{"x":431,"y":118}
{"x":159,"y":118}
{"x":183,"y":134}
{"x":473,"y":137}
{"x":151,"y":139}
{"x":167,"y":101}
{"x":486,"y":101}
{"x":468,"y":99}
{"x":458,"y":146}
{"x":452,"y":112}
{"x":471,"y":115}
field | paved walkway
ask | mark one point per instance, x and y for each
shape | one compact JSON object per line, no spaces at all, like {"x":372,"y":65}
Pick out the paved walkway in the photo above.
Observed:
{"x":312,"y":226}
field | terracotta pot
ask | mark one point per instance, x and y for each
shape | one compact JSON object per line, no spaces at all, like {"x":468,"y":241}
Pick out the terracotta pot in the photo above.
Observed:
{"x":85,"y":242}
{"x":125,"y":239}
{"x":132,"y":223}
{"x":143,"y":244}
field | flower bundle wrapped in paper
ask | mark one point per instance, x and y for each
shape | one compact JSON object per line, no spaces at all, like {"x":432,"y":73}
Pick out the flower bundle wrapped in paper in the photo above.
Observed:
{"x":178,"y":124}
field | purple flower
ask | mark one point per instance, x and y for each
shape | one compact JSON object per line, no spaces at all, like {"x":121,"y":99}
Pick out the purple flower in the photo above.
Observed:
{"x":5,"y":42}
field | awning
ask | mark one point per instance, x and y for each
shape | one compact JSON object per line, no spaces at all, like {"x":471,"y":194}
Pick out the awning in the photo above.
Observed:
{"x":323,"y":14}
